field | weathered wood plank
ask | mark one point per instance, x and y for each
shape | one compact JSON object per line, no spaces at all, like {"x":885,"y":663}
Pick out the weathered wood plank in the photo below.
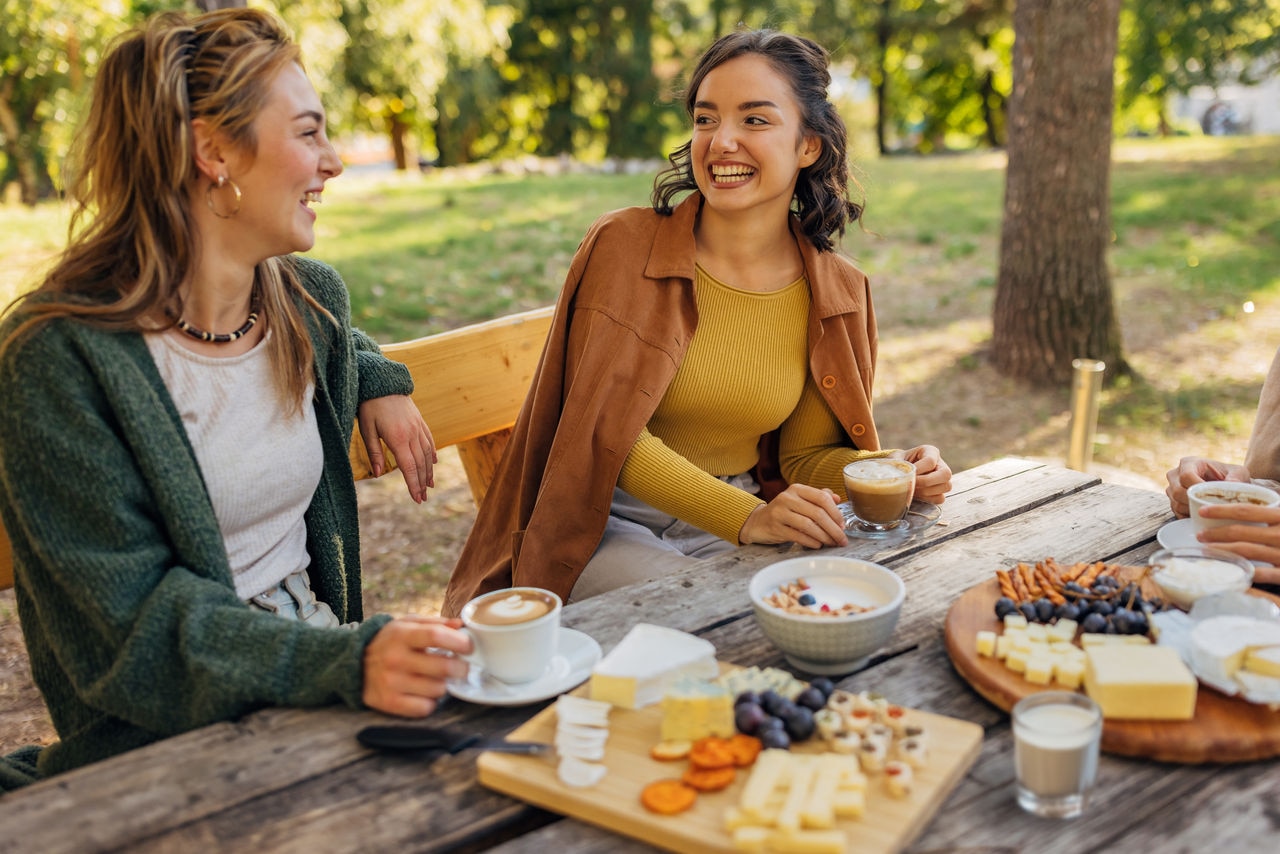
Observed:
{"x":982,"y":498}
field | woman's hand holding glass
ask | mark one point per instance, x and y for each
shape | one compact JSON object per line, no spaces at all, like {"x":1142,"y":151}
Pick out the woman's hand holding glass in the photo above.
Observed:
{"x":933,"y":475}
{"x":799,"y":514}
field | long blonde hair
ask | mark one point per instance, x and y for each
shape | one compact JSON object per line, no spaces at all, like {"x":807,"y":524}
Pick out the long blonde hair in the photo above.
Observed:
{"x":132,"y":239}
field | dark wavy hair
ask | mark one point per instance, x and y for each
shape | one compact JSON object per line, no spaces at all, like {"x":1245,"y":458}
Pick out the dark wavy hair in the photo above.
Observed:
{"x":822,"y":191}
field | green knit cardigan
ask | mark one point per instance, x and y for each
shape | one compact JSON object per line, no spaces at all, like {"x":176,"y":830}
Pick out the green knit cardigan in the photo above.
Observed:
{"x":124,"y":590}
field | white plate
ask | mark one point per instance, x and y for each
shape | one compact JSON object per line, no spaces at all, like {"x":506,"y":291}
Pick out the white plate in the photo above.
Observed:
{"x":577,"y":653}
{"x":1179,"y":533}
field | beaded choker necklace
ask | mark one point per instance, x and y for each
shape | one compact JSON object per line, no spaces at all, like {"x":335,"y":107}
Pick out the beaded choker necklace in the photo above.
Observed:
{"x":220,"y":337}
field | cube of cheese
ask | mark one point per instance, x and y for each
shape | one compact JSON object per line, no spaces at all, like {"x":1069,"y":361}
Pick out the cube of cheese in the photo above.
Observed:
{"x":638,"y":670}
{"x":1131,"y":682}
{"x":1069,"y":673}
{"x":696,"y":708}
{"x":1039,"y":670}
{"x":1014,"y":621}
{"x":1063,"y":630}
{"x":1037,"y":632}
{"x":1016,"y":660}
{"x":986,"y":644}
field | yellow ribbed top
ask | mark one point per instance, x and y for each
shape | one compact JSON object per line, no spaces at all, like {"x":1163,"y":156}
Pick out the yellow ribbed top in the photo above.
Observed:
{"x":734,"y":386}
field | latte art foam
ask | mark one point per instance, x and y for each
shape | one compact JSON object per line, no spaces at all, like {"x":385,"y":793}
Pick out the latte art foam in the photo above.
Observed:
{"x":519,"y":606}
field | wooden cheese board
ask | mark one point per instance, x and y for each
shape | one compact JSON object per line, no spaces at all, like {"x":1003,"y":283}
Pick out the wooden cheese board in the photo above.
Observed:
{"x":1224,"y":729}
{"x":887,"y":826}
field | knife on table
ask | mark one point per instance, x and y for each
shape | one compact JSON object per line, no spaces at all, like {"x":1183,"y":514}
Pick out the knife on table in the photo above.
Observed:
{"x":409,"y":738}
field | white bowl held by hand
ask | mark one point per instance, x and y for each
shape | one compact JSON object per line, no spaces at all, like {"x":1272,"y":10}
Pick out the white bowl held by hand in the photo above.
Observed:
{"x":829,"y":644}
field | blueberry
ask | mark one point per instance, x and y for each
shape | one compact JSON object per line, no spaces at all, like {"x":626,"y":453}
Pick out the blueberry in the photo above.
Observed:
{"x":748,"y":717}
{"x":770,"y":722}
{"x":747,"y":697}
{"x":1073,"y":587}
{"x":1094,"y":624}
{"x":1004,"y":606}
{"x":825,"y":685}
{"x":799,"y":723}
{"x":1044,"y":610}
{"x":773,"y":702}
{"x":775,"y":738}
{"x":811,"y":698}
{"x":807,"y":599}
{"x":1029,"y":611}
{"x":1067,"y":611}
{"x":1104,"y":608}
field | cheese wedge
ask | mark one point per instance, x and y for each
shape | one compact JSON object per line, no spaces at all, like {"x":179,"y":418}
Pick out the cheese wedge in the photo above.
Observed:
{"x":1219,"y":644}
{"x":1265,"y":661}
{"x":637,"y":672}
{"x":1132,"y":682}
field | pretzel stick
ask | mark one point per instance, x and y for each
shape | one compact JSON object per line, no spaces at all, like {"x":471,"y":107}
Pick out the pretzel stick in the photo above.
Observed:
{"x":1029,"y":578}
{"x":1092,"y":574}
{"x":1047,"y":583}
{"x":1020,"y":593}
{"x":1073,"y":572}
{"x":1006,"y":585}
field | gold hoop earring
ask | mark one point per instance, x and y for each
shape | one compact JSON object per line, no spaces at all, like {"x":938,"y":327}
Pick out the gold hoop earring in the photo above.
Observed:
{"x":223,"y":181}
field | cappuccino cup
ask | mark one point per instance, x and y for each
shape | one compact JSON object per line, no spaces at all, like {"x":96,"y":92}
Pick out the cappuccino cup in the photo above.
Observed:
{"x":515,"y":632}
{"x":1227,"y":492}
{"x":880,"y":491}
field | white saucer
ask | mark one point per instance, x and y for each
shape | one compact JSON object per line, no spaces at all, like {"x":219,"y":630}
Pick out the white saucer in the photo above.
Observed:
{"x":576,"y":655}
{"x":1179,"y":533}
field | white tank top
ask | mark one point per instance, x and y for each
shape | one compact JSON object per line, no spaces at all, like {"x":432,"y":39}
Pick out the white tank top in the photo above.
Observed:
{"x":261,"y":463}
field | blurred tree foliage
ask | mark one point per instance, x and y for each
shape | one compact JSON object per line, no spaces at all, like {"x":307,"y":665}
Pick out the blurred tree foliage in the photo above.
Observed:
{"x":454,"y":81}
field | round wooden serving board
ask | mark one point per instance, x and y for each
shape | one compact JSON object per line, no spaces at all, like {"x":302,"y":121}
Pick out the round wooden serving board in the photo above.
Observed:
{"x":1224,"y":729}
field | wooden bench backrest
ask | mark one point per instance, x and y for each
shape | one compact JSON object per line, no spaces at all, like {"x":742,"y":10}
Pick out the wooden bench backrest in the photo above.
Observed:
{"x":469,"y":384}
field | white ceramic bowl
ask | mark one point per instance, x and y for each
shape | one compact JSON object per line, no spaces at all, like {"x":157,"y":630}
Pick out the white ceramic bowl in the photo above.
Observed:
{"x":1189,"y":573}
{"x":821,"y":643}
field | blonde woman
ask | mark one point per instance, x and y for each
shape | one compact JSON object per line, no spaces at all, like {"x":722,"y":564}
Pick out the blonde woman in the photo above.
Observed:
{"x":176,"y":402}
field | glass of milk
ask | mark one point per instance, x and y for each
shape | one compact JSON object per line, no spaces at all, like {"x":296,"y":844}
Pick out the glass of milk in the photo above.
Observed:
{"x":1056,"y":736}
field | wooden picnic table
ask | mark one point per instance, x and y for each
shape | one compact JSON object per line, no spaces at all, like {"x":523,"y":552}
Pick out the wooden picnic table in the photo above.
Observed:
{"x":297,"y":780}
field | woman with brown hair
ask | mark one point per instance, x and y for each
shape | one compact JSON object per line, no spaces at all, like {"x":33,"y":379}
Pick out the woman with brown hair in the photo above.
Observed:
{"x":709,"y":369}
{"x":176,"y":404}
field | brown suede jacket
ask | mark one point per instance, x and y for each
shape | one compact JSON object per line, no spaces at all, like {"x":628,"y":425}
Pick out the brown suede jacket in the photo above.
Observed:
{"x":621,"y":326}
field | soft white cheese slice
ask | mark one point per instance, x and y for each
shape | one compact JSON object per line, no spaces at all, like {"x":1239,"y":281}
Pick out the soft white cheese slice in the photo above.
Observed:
{"x":579,"y":774}
{"x":1219,"y":645}
{"x":581,"y":711}
{"x":638,"y":670}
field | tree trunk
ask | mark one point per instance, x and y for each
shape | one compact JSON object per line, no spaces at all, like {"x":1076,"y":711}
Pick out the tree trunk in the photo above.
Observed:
{"x":884,"y":33}
{"x":1053,"y":296}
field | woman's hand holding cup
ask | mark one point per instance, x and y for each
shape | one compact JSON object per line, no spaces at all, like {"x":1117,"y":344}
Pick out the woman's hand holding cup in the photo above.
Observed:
{"x":408,"y":662}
